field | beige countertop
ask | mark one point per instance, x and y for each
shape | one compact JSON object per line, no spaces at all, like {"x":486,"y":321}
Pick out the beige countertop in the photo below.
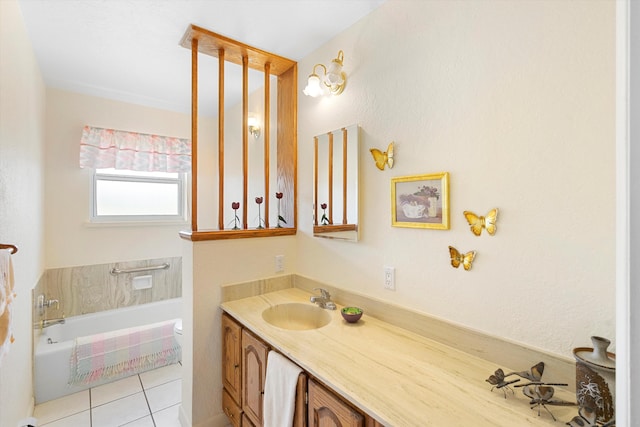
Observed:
{"x":397,"y":377}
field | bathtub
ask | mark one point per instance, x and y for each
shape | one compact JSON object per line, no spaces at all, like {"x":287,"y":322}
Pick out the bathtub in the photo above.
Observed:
{"x":51,"y":360}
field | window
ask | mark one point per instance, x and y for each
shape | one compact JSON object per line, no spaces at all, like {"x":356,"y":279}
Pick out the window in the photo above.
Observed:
{"x":124,"y":195}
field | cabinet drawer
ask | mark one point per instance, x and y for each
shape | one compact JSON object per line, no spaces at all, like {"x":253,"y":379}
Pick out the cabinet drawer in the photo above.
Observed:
{"x":231,"y":409}
{"x":327,"y":409}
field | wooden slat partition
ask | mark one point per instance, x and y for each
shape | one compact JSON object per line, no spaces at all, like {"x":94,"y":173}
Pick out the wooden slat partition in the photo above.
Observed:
{"x":287,"y":151}
{"x":194,"y":134}
{"x":245,"y":140}
{"x":200,"y":40}
{"x":330,"y":166}
{"x":315,"y":180}
{"x":266,"y":136}
{"x":344,"y":175}
{"x":220,"y":139}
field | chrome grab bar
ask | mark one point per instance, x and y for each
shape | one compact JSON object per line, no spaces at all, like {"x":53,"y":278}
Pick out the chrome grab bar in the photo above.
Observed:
{"x":116,"y":271}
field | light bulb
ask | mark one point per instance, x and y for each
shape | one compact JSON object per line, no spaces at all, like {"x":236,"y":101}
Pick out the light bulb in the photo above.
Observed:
{"x":313,"y":88}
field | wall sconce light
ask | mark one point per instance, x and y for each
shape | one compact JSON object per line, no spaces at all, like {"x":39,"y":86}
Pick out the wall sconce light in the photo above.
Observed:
{"x":254,"y":126}
{"x":333,"y":78}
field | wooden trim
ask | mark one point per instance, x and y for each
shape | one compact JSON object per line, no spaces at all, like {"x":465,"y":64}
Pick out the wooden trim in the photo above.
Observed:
{"x":287,"y":149}
{"x":334,"y":228}
{"x":300,"y":413}
{"x":315,"y":180}
{"x":245,"y":139}
{"x":330,"y":177}
{"x":221,"y":140}
{"x":211,"y":43}
{"x":266,"y":131}
{"x":198,"y":236}
{"x":194,"y":134}
{"x":344,"y":175}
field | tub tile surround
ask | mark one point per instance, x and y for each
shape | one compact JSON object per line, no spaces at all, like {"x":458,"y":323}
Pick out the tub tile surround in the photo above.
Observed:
{"x":92,"y":288}
{"x":469,"y":356}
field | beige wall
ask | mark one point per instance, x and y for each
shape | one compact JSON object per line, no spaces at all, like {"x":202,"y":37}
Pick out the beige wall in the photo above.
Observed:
{"x":70,"y":239}
{"x":22,"y":109}
{"x":516,"y":100}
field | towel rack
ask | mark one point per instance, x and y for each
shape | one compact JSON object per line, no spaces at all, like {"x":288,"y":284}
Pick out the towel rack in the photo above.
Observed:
{"x":116,"y":271}
{"x":13,"y":248}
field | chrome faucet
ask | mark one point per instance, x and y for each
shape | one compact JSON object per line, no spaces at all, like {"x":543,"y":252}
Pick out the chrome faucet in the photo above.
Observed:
{"x":52,"y":302}
{"x":323,"y":300}
{"x":42,"y":304}
{"x":50,"y":322}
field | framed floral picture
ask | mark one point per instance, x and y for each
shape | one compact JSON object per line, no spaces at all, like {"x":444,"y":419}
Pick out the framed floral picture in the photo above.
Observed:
{"x":420,"y":201}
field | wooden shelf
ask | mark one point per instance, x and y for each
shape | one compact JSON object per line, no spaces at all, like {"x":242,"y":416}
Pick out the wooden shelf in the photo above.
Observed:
{"x":197,"y":236}
{"x":334,"y":228}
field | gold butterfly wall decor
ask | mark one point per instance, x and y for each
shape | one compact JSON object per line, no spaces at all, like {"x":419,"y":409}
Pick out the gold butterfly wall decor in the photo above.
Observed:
{"x":383,"y":158}
{"x":465,"y":259}
{"x":477,"y":223}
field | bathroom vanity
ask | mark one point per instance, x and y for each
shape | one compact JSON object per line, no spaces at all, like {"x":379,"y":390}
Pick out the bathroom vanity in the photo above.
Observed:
{"x":244,"y":367}
{"x":370,"y":373}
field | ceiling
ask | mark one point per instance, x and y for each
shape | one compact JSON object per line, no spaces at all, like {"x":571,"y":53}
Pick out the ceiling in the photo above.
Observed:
{"x":128,"y":50}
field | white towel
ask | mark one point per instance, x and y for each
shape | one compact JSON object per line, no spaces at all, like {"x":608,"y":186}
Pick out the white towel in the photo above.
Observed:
{"x":280,"y":391}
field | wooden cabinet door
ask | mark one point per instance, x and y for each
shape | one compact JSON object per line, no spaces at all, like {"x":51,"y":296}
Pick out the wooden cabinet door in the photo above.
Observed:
{"x":370,"y":422}
{"x":231,"y":409}
{"x":231,"y":357}
{"x":300,"y":413}
{"x":327,"y":410}
{"x":254,"y":370}
{"x":246,"y":422}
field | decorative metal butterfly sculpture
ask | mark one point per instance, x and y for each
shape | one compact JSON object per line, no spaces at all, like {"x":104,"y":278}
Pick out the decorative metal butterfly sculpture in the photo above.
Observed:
{"x":477,"y":223}
{"x":383,"y":158}
{"x":497,"y":381}
{"x":540,"y":393}
{"x":587,"y":418}
{"x":465,"y":259}
{"x":534,"y":375}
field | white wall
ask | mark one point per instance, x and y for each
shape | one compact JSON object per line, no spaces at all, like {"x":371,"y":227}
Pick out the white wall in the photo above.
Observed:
{"x":517,"y":101}
{"x":21,"y":199}
{"x":70,"y":239}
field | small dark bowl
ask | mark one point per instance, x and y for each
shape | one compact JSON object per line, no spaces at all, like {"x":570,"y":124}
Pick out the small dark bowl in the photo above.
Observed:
{"x":351,"y":314}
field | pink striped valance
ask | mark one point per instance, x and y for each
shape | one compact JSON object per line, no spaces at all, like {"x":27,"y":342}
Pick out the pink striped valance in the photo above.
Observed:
{"x":107,"y":148}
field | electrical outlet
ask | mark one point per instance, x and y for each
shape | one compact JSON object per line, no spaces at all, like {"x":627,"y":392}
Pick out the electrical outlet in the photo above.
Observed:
{"x":390,"y":278}
{"x":279,"y":263}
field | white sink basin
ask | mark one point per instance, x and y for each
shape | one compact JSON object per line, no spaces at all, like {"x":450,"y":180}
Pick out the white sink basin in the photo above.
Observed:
{"x":296,"y":316}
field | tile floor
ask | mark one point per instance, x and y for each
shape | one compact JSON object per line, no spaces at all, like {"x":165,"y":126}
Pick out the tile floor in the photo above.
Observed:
{"x":150,"y":399}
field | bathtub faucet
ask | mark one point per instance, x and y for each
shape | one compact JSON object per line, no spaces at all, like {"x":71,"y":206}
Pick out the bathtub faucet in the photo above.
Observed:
{"x":50,"y":322}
